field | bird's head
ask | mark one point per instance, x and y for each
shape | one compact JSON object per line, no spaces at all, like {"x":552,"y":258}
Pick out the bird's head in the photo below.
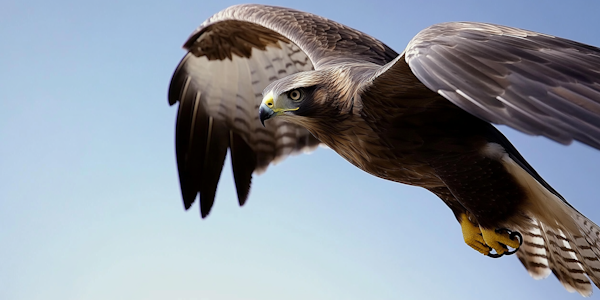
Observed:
{"x":293,"y":96}
{"x":286,"y":103}
{"x":318,"y":96}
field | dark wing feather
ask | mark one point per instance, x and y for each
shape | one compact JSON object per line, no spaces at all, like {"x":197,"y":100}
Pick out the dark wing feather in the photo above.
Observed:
{"x":218,"y":111}
{"x":536,"y":83}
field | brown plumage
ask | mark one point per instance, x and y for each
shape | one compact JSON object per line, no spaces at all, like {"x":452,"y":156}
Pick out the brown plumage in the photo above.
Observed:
{"x":421,"y":118}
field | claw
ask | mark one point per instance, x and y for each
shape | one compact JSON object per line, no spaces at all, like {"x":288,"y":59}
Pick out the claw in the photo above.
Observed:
{"x":485,"y":240}
{"x":500,"y":240}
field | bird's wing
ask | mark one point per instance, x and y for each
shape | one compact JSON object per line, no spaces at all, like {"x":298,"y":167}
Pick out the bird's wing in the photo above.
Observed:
{"x":218,"y":110}
{"x":232,"y":57}
{"x":536,"y":83}
{"x":237,"y":29}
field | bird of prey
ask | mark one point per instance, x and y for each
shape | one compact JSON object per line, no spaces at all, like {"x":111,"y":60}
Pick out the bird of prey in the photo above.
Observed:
{"x":423,"y":117}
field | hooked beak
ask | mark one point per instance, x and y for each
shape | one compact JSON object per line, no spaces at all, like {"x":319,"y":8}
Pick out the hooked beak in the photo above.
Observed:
{"x":267,"y":108}
{"x":264,"y":113}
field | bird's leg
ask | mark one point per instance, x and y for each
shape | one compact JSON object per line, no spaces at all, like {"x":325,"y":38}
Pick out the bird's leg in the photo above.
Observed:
{"x":472,"y":235}
{"x":485,"y":240}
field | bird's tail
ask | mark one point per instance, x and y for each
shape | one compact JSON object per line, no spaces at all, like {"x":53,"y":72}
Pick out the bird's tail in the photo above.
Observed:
{"x":556,"y":237}
{"x":572,"y":255}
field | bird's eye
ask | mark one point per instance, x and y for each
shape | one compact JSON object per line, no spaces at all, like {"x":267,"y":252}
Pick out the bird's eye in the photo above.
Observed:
{"x":295,"y":95}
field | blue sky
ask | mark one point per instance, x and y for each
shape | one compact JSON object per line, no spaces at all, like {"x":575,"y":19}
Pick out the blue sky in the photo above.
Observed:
{"x":89,"y":197}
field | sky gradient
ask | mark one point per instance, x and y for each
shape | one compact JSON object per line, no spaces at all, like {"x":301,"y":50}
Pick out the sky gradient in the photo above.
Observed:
{"x":90,"y":206}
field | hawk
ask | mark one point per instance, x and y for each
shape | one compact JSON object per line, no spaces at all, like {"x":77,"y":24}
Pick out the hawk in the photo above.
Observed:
{"x":423,"y":117}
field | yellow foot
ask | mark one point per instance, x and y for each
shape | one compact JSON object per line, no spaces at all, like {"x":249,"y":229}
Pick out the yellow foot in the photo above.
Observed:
{"x":499,"y":239}
{"x":473,"y":236}
{"x":484,"y":240}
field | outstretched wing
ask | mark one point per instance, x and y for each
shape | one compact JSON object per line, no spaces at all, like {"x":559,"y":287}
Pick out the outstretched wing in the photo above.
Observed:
{"x":232,"y":57}
{"x":239,"y":28}
{"x":218,"y":107}
{"x":536,"y":83}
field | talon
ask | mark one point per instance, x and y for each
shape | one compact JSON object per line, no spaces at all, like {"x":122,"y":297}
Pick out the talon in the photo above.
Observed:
{"x":514,"y":235}
{"x":485,"y":240}
{"x":501,"y":239}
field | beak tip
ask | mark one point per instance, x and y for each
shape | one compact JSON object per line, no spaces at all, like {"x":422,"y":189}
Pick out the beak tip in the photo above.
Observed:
{"x":264,"y":113}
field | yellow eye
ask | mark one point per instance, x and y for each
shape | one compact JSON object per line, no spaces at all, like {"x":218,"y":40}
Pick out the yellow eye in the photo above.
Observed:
{"x":295,"y":95}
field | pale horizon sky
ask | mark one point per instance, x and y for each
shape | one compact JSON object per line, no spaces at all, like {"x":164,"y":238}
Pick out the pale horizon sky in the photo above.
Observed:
{"x":90,"y":206}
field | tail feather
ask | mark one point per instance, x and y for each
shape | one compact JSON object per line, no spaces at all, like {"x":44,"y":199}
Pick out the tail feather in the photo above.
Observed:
{"x":566,"y":266}
{"x":556,"y":236}
{"x":588,"y":245}
{"x":534,"y":252}
{"x":573,"y":257}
